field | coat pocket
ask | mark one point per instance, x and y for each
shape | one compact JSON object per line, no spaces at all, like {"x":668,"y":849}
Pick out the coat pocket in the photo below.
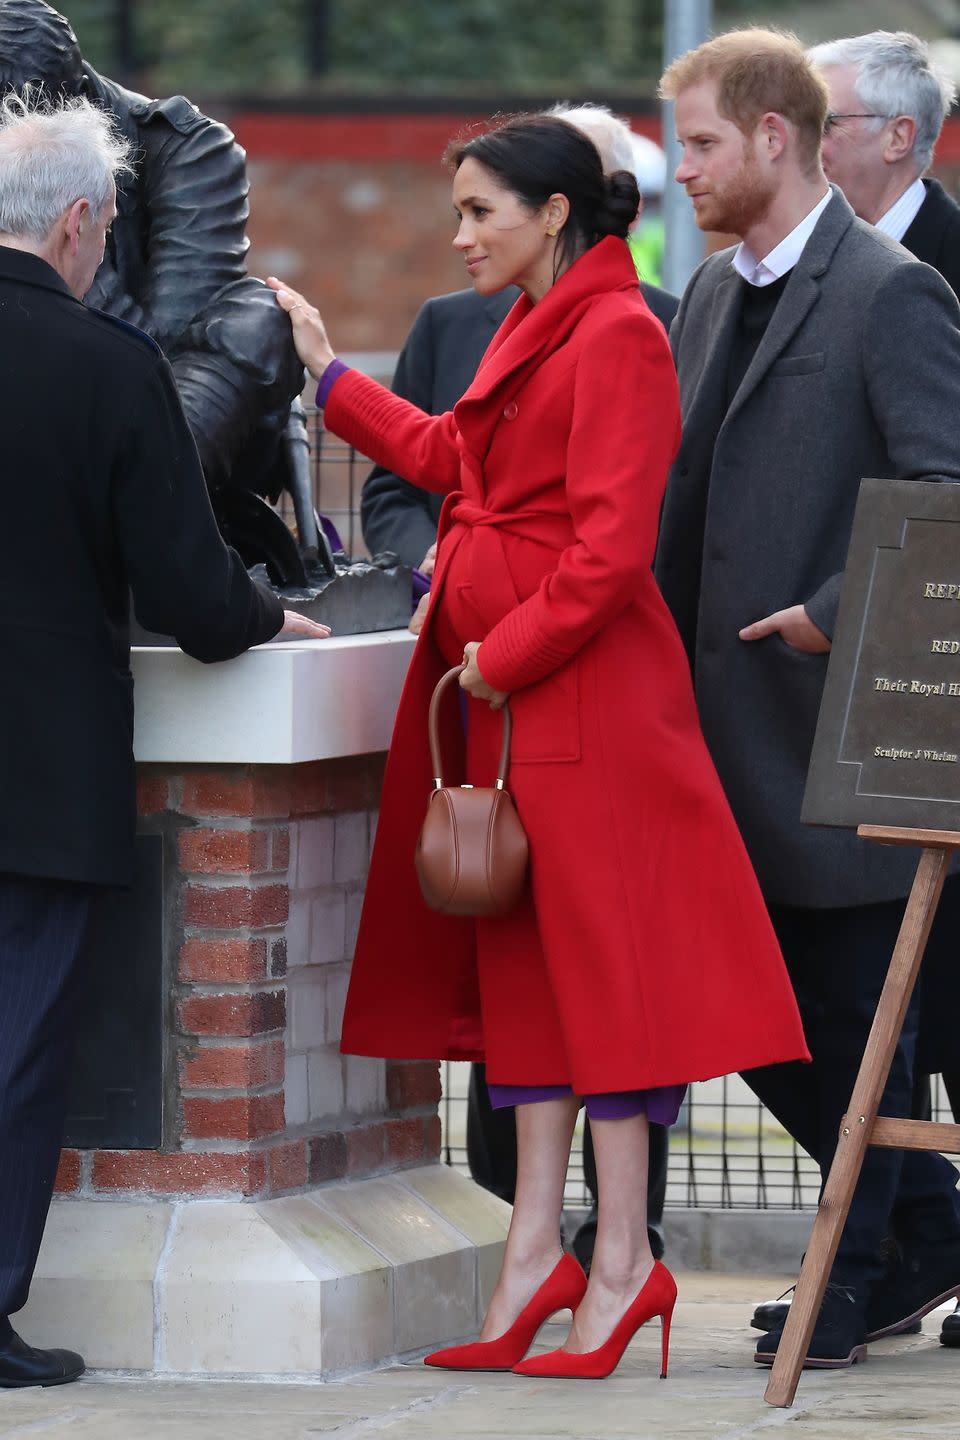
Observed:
{"x":546,"y":719}
{"x":799,"y":364}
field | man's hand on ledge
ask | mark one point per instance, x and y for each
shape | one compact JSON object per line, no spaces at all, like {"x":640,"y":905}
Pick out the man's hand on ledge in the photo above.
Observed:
{"x":296,"y":624}
{"x":795,"y":629}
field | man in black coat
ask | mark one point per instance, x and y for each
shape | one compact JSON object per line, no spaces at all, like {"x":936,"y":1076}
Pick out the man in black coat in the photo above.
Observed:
{"x":103,"y":494}
{"x":888,"y":102}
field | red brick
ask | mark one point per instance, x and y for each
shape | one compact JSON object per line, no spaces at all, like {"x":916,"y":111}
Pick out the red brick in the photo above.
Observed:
{"x":233,"y":1067}
{"x":152,"y":794}
{"x":235,"y":906}
{"x":328,"y":1157}
{"x":280,"y":848}
{"x":412,"y":1084}
{"x":278,"y":957}
{"x":147,"y":1172}
{"x":68,"y":1172}
{"x":365,"y":1149}
{"x":238,"y":1015}
{"x":241,"y":1117}
{"x":223,"y":959}
{"x":432,"y":1137}
{"x":351,"y":783}
{"x":263,"y":791}
{"x":404,"y":1141}
{"x":287,"y":1166}
{"x":205,"y":851}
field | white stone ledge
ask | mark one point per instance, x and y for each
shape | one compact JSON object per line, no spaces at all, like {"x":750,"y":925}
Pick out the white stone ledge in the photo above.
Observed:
{"x":280,"y":704}
{"x":303,"y":1286}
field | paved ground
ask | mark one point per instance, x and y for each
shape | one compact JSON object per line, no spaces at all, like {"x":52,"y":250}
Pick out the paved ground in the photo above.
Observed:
{"x":910,"y":1389}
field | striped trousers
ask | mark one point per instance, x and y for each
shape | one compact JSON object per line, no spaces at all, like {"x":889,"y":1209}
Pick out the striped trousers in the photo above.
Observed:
{"x":42,"y":929}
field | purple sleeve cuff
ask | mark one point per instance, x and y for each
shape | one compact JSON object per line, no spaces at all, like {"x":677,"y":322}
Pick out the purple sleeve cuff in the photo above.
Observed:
{"x":327,"y":380}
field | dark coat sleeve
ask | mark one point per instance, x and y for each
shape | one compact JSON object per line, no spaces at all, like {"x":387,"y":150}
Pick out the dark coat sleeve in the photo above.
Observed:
{"x":394,"y":514}
{"x":186,"y":582}
{"x":663,"y":303}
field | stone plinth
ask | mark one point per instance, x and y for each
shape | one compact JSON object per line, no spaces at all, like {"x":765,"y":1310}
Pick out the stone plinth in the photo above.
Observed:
{"x":296,"y":1219}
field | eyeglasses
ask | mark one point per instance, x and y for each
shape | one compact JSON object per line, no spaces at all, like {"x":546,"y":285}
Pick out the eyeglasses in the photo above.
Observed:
{"x":833,"y":118}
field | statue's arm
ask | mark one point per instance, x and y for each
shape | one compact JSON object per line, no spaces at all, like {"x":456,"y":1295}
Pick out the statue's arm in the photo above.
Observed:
{"x":195,"y":191}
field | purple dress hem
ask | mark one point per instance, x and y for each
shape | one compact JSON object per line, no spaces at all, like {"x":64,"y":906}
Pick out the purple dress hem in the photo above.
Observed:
{"x":660,"y":1105}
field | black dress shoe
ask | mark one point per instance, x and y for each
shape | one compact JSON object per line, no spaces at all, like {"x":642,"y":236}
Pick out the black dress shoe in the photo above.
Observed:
{"x":839,"y":1336}
{"x":950,"y":1330}
{"x":926,"y":1277}
{"x":21,"y":1365}
{"x":772,"y":1314}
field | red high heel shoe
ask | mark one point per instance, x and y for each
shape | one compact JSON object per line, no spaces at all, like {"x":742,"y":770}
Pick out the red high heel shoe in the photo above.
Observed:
{"x":658,"y":1297}
{"x":562,"y":1290}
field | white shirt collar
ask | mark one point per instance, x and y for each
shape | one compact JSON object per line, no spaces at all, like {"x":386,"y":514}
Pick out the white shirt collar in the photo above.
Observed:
{"x":902,"y":213}
{"x":782,"y":257}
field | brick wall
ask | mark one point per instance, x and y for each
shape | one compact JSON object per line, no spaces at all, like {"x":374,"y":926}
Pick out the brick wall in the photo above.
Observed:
{"x":265,"y":868}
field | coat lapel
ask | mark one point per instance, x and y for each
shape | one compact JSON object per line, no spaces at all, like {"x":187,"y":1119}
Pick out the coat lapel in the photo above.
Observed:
{"x":531,"y":333}
{"x":704,"y":413}
{"x":800,"y":296}
{"x":925,"y":233}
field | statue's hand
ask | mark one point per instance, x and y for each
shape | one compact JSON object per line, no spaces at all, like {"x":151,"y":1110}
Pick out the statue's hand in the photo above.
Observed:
{"x":309,"y":334}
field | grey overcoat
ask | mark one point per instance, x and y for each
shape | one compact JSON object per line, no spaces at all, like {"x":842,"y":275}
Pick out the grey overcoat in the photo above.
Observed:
{"x":858,"y":374}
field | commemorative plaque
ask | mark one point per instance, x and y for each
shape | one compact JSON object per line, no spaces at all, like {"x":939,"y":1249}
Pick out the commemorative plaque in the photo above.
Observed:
{"x":887,"y":747}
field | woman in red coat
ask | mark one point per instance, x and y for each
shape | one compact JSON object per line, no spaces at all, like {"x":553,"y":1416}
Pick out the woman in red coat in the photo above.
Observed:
{"x":642,"y":956}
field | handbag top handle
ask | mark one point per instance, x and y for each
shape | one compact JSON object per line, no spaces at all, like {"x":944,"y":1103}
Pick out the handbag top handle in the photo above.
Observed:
{"x":433,"y":729}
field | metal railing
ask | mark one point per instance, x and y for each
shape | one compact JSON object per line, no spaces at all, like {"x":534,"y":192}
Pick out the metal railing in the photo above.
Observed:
{"x":727,"y":1152}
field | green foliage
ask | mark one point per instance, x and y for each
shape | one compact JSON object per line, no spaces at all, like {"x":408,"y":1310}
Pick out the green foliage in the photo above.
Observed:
{"x":494,"y":45}
{"x":417,"y":47}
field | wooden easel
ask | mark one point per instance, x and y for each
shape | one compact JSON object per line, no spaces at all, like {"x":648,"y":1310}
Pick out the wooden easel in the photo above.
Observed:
{"x":862,"y":1126}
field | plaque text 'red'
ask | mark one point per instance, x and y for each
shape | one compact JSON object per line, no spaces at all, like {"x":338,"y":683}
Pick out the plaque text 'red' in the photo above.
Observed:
{"x":887,"y":748}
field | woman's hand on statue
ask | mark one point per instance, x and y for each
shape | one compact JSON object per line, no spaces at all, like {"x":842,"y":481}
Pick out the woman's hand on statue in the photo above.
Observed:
{"x":309,"y":334}
{"x":296,"y":624}
{"x":473,"y":682}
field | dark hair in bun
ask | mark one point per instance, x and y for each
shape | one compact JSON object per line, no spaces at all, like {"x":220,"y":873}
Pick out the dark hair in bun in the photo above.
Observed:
{"x":620,"y":206}
{"x":536,"y":156}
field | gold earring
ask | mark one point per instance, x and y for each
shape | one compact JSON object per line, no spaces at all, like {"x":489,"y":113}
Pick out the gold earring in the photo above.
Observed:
{"x":552,"y":230}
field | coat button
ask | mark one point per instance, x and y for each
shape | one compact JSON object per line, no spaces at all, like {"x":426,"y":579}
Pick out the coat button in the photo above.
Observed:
{"x":510,"y":410}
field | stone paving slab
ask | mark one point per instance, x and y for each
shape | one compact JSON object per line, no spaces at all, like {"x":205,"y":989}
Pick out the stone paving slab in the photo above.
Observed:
{"x":909,"y":1390}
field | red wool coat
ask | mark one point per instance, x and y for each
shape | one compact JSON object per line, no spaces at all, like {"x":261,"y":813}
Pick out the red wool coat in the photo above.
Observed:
{"x":644,"y":955}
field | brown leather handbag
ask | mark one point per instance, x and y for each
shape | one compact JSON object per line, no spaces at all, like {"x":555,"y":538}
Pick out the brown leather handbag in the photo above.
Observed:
{"x":472,"y":854}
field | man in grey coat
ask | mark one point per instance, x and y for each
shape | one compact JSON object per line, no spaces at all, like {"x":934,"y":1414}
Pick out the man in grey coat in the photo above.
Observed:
{"x":790,"y":351}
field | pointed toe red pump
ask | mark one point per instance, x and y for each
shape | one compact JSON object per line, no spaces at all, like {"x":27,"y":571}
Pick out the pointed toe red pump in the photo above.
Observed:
{"x":562,"y":1290}
{"x":658,"y":1297}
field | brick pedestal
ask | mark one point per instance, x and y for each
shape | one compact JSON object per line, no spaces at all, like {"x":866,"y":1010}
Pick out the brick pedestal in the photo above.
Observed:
{"x":318,"y":1172}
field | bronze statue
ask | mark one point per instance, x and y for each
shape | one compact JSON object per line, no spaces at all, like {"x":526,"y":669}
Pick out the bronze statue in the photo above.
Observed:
{"x":175,"y":267}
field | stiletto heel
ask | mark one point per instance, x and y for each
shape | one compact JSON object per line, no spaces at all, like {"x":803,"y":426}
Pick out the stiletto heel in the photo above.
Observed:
{"x":563,"y":1289}
{"x":665,"y":1319}
{"x":658,"y":1297}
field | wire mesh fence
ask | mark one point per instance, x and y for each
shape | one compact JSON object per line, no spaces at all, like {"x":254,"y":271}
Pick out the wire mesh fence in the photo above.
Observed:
{"x":726,"y":1151}
{"x":337,"y":473}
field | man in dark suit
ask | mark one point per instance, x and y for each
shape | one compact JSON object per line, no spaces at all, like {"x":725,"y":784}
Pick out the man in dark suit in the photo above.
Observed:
{"x":101,"y":479}
{"x":789,"y":353}
{"x":888,"y":102}
{"x":437,"y":363}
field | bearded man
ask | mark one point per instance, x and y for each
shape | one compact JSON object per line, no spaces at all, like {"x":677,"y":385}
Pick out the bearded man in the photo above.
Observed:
{"x":790,"y":352}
